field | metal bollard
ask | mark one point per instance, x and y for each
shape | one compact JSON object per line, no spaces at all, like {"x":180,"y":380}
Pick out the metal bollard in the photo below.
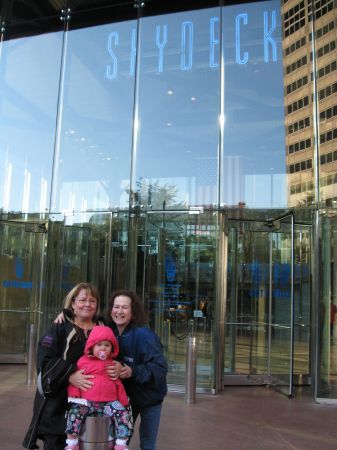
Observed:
{"x":95,"y":433}
{"x":191,"y":370}
{"x":31,"y":366}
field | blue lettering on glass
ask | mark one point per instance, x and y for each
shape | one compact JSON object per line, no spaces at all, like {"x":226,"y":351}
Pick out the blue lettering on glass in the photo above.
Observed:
{"x":186,"y":60}
{"x":170,"y":269}
{"x":255,"y":273}
{"x":19,"y":271}
{"x":187,"y":44}
{"x":240,"y":60}
{"x":281,"y":275}
{"x":161,"y":45}
{"x":19,"y":268}
{"x":212,"y":43}
{"x":17,"y":284}
{"x":276,"y":293}
{"x":267,"y":38}
{"x":65,"y":271}
{"x":133,"y":52}
{"x":111,"y":69}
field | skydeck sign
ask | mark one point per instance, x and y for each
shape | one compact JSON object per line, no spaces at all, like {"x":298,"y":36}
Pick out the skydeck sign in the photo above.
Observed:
{"x":264,"y":28}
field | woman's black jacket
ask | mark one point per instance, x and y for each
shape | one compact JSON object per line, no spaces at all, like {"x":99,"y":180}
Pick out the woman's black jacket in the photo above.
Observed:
{"x":62,"y":341}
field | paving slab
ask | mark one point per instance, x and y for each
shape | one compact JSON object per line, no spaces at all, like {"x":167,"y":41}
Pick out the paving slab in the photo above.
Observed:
{"x":241,"y":418}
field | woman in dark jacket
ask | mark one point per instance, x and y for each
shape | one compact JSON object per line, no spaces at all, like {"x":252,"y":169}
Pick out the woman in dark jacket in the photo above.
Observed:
{"x":58,"y":351}
{"x":144,"y":367}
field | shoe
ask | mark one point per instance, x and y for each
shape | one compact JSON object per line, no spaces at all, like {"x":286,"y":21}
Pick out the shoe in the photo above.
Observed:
{"x":72,"y":447}
{"x":121,"y":447}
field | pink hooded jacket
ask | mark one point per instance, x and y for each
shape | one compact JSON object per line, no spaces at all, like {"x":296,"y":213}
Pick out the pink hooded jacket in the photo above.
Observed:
{"x":104,"y":389}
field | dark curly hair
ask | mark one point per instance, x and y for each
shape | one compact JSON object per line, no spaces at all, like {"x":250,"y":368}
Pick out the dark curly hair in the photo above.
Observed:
{"x":137,"y":309}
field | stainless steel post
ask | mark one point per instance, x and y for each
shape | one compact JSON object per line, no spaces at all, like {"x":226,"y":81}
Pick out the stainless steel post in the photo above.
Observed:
{"x":31,"y":366}
{"x":191,"y":370}
{"x":95,"y":433}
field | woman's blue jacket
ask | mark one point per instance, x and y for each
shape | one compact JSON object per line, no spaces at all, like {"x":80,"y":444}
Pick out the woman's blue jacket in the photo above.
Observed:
{"x":141,"y":349}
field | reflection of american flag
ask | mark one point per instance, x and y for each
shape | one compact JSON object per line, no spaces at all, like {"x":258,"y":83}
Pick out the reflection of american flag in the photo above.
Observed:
{"x":206,"y":188}
{"x":231,"y":186}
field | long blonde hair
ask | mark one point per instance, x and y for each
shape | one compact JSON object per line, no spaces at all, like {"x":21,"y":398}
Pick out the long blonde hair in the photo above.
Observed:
{"x":90,"y":288}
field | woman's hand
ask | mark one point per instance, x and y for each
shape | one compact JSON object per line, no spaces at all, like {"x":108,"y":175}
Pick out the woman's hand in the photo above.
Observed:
{"x":118,"y":370}
{"x":126,"y":372}
{"x":114,"y":370}
{"x":80,"y":380}
{"x":59,"y":318}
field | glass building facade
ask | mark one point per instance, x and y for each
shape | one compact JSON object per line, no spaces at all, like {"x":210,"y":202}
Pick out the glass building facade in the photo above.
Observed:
{"x":188,"y":151}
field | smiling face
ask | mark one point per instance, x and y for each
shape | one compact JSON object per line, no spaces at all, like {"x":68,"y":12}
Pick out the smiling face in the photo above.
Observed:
{"x":84,"y":306}
{"x":121,"y":312}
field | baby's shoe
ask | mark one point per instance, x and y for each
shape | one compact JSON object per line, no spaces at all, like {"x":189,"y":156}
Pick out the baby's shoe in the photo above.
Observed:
{"x":72,"y":447}
{"x":121,"y":447}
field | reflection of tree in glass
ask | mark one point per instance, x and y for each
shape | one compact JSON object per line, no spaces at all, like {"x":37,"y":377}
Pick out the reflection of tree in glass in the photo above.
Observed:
{"x":155,"y":195}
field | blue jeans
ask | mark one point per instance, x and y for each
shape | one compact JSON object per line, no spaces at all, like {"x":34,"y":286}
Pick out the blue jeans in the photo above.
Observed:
{"x":149,"y":425}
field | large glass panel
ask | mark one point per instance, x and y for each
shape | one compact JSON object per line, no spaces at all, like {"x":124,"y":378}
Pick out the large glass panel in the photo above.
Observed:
{"x":176,"y":255}
{"x":254,"y":166}
{"x":324,"y":48}
{"x":21,"y":270}
{"x":281,"y":306}
{"x":93,"y":150}
{"x":327,"y":310}
{"x":300,"y":122}
{"x":302,"y":306}
{"x":29,"y":80}
{"x":247,"y":311}
{"x":85,"y":247}
{"x":177,"y":118}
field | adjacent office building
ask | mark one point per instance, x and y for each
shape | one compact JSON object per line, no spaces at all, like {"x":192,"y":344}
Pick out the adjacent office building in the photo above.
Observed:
{"x":186,"y":150}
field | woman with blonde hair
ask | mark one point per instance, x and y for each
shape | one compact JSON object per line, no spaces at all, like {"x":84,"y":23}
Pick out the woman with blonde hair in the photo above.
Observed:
{"x":57,"y":354}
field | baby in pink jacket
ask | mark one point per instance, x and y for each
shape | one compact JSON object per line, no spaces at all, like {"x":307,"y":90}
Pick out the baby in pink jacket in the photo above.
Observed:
{"x":106,"y":397}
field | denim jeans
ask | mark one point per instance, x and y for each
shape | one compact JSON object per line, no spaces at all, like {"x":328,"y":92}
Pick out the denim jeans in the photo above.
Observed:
{"x":149,"y":425}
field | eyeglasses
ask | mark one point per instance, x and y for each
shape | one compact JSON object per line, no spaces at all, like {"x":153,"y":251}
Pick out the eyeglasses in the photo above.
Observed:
{"x":85,"y":301}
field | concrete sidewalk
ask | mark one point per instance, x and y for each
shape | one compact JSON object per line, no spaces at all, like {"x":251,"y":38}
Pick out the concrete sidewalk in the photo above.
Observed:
{"x":242,"y":418}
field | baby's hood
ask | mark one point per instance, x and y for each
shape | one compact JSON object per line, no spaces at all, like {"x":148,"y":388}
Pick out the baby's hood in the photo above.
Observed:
{"x":102,"y":333}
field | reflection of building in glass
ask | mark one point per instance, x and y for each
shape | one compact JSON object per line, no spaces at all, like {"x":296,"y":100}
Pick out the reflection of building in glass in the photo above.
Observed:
{"x":300,"y":83}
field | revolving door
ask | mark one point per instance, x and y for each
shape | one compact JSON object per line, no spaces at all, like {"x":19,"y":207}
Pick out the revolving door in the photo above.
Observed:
{"x":259,"y":342}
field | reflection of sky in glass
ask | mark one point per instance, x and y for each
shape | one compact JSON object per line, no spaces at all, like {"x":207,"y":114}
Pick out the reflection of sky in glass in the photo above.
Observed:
{"x":176,"y":132}
{"x":29,"y":73}
{"x":254,"y":144}
{"x":179,"y":105}
{"x":179,"y":121}
{"x":96,"y":119}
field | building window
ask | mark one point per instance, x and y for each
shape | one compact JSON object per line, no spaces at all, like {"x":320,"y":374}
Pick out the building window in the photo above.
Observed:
{"x":321,"y":8}
{"x":328,"y":113}
{"x":296,"y":85}
{"x":328,"y":136}
{"x":327,"y":91}
{"x":295,"y":46}
{"x":299,"y":104}
{"x":300,"y":125}
{"x":300,"y":166}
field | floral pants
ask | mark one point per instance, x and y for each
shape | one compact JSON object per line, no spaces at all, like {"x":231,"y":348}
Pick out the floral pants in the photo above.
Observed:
{"x":121,"y":423}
